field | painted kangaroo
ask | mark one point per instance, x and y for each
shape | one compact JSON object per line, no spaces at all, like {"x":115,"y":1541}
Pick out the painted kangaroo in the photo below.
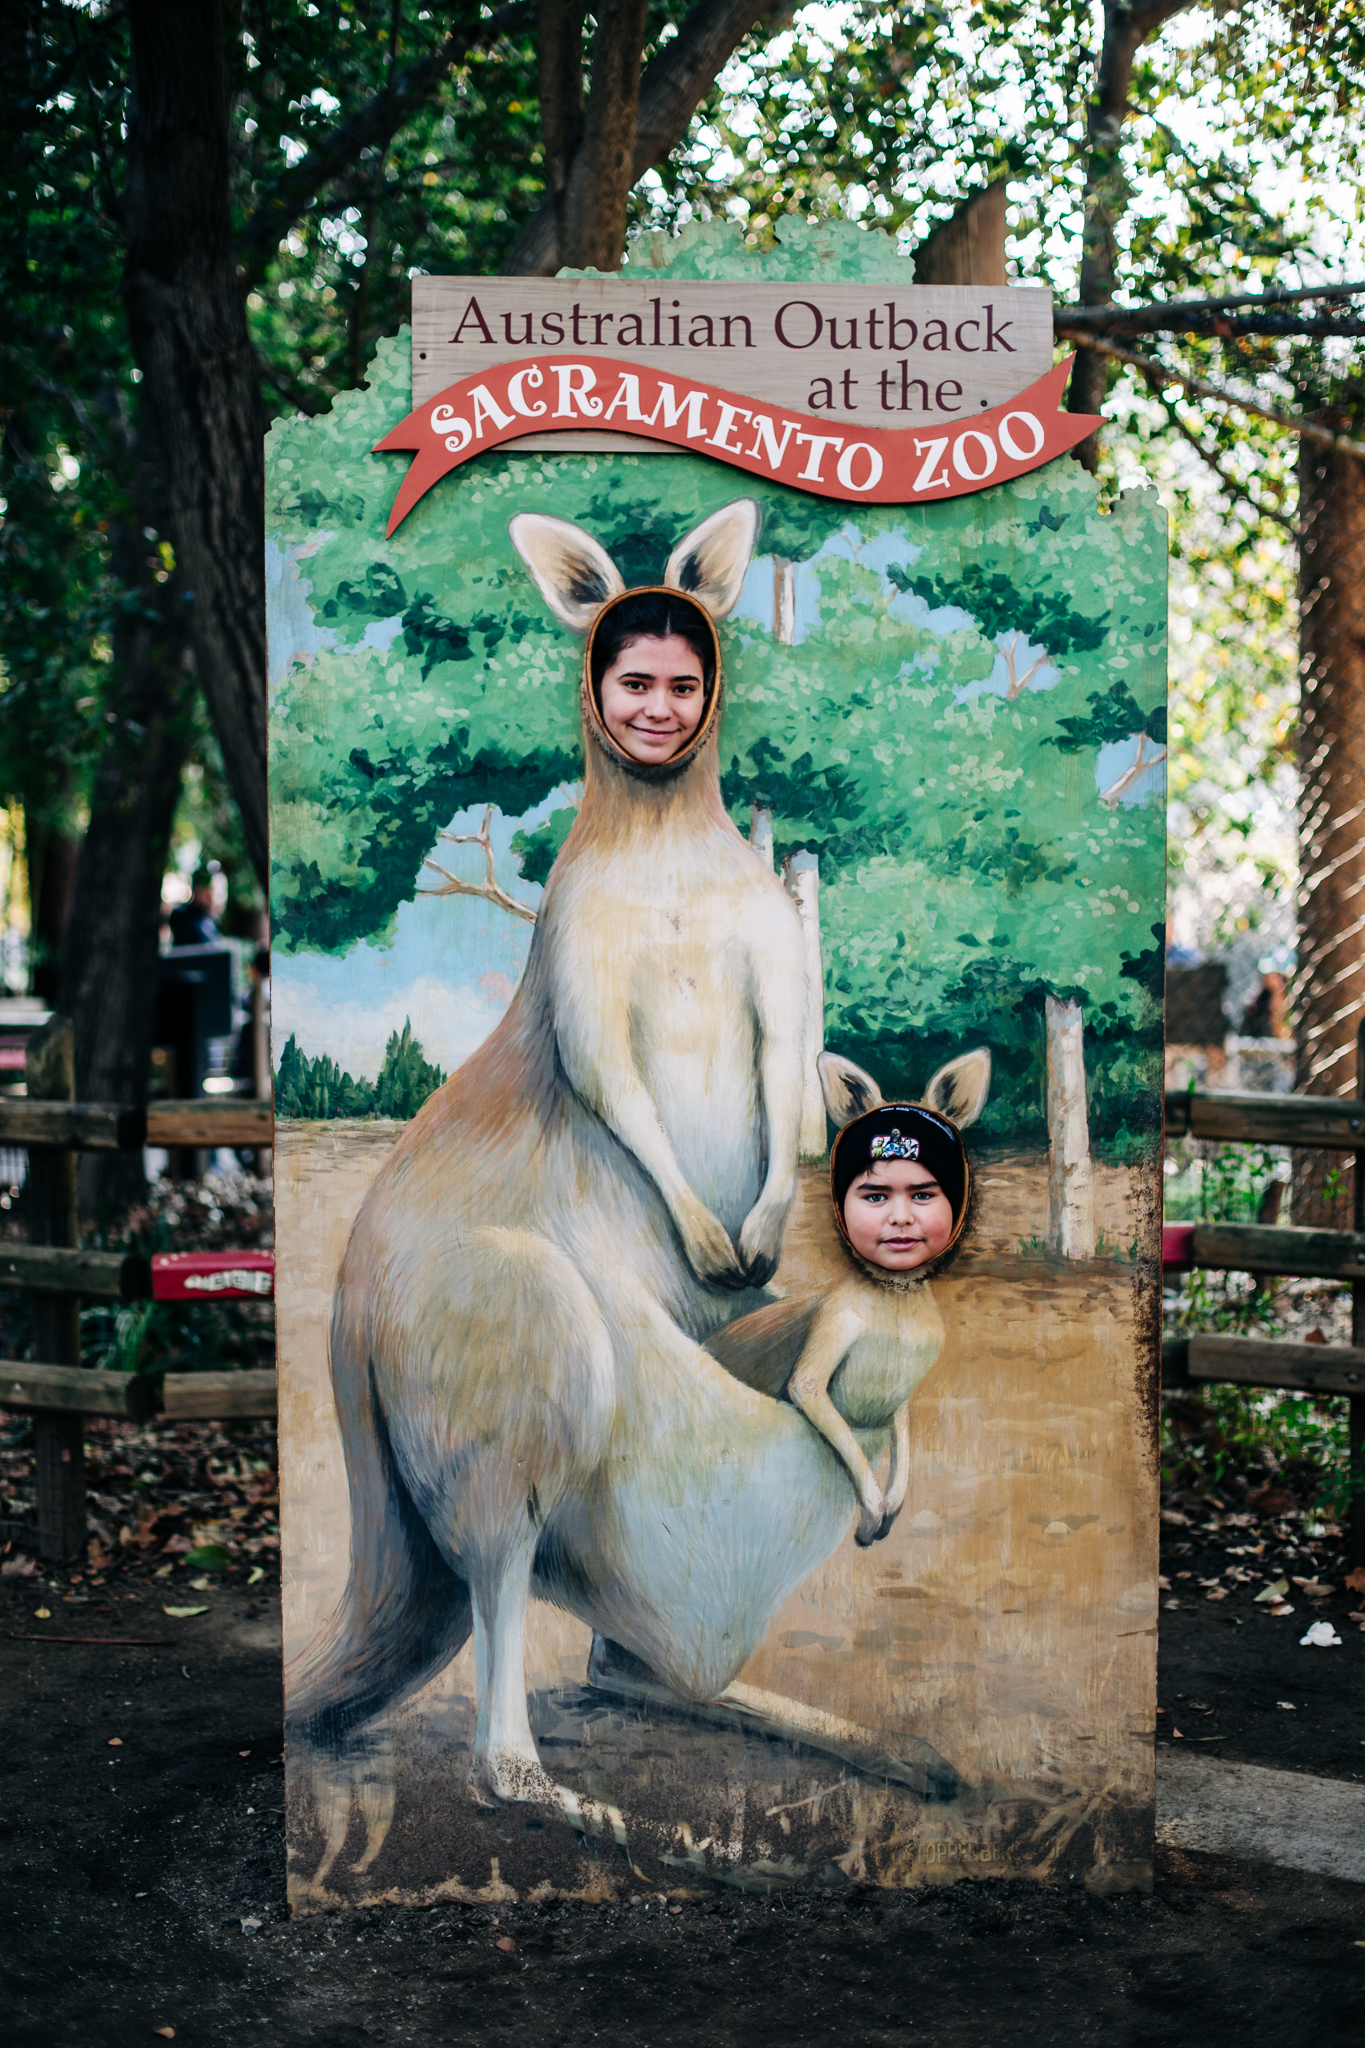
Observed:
{"x":602,"y":1184}
{"x":524,"y":1399}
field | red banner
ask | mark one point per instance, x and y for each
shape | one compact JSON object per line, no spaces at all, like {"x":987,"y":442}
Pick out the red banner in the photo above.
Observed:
{"x":866,"y":465}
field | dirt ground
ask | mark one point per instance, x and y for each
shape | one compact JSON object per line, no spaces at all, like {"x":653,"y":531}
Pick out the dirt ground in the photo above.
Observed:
{"x":142,"y":1862}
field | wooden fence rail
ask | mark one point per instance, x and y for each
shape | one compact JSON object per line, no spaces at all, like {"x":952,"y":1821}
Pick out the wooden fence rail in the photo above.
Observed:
{"x":58,"y":1272}
{"x":59,"y":1391}
{"x":1326,"y":1123}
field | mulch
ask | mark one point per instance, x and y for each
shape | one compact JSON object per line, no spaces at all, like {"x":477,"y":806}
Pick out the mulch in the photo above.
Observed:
{"x":142,"y":1879}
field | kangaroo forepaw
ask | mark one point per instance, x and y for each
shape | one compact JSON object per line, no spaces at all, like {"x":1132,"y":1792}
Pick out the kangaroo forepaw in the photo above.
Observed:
{"x":872,"y":1525}
{"x":710,"y":1253}
{"x":760,"y":1241}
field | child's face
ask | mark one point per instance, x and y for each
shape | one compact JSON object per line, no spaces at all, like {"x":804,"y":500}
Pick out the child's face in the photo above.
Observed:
{"x":652,"y":697}
{"x":897,"y":1215}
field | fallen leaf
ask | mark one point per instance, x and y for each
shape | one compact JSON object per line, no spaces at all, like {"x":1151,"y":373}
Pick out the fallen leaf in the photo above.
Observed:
{"x":1316,"y":1337}
{"x":1172,"y":1603}
{"x":1174,"y":1516}
{"x":199,"y":1585}
{"x":1355,"y":1617}
{"x":1314,"y":1588}
{"x":18,"y":1567}
{"x":1177,"y":1734}
{"x":1217,"y":1593}
{"x":210,"y":1557}
{"x":1163,"y":1585}
{"x":115,"y":1742}
{"x":43,"y":1613}
{"x":1355,"y":1580}
{"x":1275,"y":1591}
{"x":183,"y":1613}
{"x":166,"y":2033}
{"x":505,"y":1943}
{"x":1288,"y":1706}
{"x":1278,"y":1613}
{"x":1271,"y":1500}
{"x":244,"y":1752}
{"x":255,"y":1575}
{"x":251,"y":1925}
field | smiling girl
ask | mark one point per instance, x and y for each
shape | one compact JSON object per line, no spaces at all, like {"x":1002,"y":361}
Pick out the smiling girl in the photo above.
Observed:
{"x":653,"y":669}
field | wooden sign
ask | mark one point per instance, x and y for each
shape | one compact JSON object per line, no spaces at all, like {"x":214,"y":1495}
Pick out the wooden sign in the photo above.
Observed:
{"x":717,"y":981}
{"x":487,"y":410}
{"x":861,"y":354}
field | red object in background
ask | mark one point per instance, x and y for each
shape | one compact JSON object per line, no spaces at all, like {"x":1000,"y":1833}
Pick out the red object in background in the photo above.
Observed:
{"x":213,"y":1276}
{"x":1177,"y":1246}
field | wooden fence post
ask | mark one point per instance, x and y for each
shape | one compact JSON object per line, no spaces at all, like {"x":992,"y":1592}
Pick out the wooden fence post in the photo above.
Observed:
{"x":1071,"y":1219}
{"x":1355,"y":1526}
{"x":59,"y":1436}
{"x":801,"y":875}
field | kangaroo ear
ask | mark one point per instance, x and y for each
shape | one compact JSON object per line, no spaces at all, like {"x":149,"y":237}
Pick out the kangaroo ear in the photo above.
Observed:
{"x":848,"y":1090}
{"x":959,"y":1090}
{"x":573,"y":573}
{"x":710,"y":564}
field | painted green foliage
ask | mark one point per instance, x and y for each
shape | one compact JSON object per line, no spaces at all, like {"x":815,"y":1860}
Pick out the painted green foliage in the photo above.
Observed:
{"x":966,"y":731}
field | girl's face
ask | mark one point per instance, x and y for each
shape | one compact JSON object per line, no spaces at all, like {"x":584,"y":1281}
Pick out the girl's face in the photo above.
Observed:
{"x":897,"y":1215}
{"x":652,"y":697}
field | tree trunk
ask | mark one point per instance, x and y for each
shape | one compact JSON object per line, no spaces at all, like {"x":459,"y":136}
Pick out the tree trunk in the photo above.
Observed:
{"x":1329,"y":985}
{"x":110,"y":978}
{"x":187,"y":321}
{"x":663,"y":100}
{"x":559,"y":74}
{"x":604,"y":163}
{"x":51,"y":855}
{"x":1126,"y":29}
{"x":970,"y":247}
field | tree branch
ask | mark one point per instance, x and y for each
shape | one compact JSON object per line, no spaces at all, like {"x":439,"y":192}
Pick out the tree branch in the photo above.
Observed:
{"x":490,"y":890}
{"x":672,"y":86}
{"x":1230,"y":484}
{"x":1126,"y":28}
{"x":1308,"y":430}
{"x":372,"y":125}
{"x":1170,"y":313}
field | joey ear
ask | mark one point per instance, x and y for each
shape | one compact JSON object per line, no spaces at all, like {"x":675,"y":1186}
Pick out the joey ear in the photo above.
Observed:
{"x":959,"y":1090}
{"x":848,"y":1090}
{"x":711,"y":563}
{"x":573,"y":573}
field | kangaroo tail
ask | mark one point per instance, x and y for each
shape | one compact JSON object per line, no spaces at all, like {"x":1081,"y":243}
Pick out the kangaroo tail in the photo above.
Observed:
{"x":404,"y":1613}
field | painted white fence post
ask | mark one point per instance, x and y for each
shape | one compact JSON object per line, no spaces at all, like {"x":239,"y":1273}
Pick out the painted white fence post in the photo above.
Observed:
{"x":784,"y":600}
{"x":801,"y":873}
{"x":1071,"y":1180}
{"x":761,"y":835}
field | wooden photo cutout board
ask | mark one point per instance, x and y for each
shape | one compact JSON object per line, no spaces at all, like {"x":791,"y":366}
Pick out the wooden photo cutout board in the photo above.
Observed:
{"x":634,"y":1535}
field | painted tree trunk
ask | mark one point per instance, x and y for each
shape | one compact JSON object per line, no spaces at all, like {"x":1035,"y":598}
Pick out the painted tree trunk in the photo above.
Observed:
{"x":801,"y":873}
{"x":1329,"y":987}
{"x":1071,"y":1186}
{"x":761,"y":834}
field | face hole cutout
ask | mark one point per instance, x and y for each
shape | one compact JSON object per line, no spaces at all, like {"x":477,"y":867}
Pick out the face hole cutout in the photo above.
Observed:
{"x":652,"y":666}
